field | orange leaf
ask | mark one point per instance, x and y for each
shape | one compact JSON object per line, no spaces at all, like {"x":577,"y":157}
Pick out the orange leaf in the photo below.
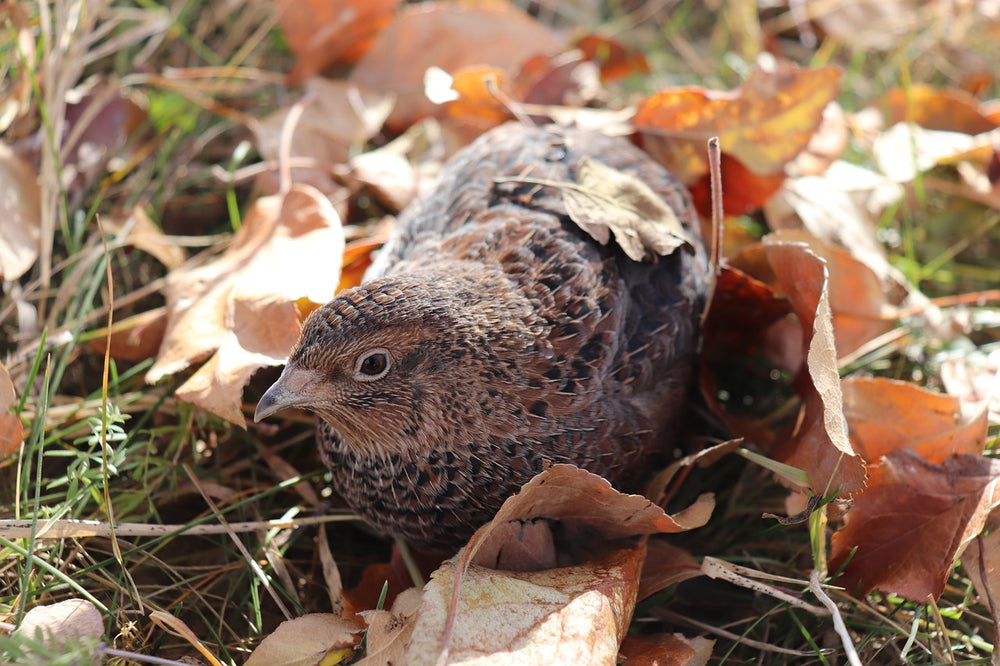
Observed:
{"x":885,"y":415}
{"x":476,"y":102}
{"x":764,"y":123}
{"x":11,"y":430}
{"x":321,"y":33}
{"x":615,"y":60}
{"x":945,"y":109}
{"x":449,"y":36}
{"x":742,"y":190}
{"x":913,"y":522}
{"x":821,"y":446}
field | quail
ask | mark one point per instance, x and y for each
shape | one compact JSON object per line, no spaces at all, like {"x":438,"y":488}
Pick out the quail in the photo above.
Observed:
{"x":493,"y":337}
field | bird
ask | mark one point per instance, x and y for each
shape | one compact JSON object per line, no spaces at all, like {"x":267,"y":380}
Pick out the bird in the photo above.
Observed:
{"x":493,"y":337}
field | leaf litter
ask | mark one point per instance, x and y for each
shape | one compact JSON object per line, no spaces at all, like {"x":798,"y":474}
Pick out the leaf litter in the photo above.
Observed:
{"x":558,"y":574}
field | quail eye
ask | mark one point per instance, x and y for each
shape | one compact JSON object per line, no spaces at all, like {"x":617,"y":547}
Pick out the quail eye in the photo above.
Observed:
{"x":372,"y":365}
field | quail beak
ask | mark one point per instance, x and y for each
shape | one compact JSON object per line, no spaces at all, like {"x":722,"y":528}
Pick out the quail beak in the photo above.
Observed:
{"x":295,"y":388}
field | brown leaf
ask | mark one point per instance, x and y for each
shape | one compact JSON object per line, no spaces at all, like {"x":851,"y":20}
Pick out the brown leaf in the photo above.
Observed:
{"x":20,"y":215}
{"x":607,"y":201}
{"x":242,"y":307}
{"x":144,"y":234}
{"x":885,"y":415}
{"x":317,"y":638}
{"x":135,"y":338}
{"x":340,"y":115}
{"x":580,"y":503}
{"x":614,"y":58}
{"x":665,"y":650}
{"x":11,"y":429}
{"x":933,"y":108}
{"x":981,"y":561}
{"x":765,"y":123}
{"x":322,"y":33}
{"x":449,"y":36}
{"x":912,"y":523}
{"x":857,"y":300}
{"x":821,"y":446}
{"x":575,"y":615}
{"x":742,"y":190}
{"x":665,"y":565}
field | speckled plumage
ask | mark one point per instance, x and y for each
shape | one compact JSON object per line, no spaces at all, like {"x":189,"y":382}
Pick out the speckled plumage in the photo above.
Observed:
{"x":514,"y":341}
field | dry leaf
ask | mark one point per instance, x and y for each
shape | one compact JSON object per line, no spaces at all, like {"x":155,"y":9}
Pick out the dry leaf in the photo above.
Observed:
{"x":572,"y":615}
{"x":321,"y":33}
{"x":614,"y":58}
{"x":665,"y":650}
{"x":340,"y":115}
{"x":449,"y":36}
{"x":581,"y":503}
{"x":135,"y":338}
{"x":885,"y":415}
{"x":912,"y":522}
{"x":311,"y":640}
{"x":974,"y":377}
{"x":244,"y":306}
{"x":904,"y":150}
{"x":75,"y":622}
{"x":144,"y":234}
{"x":821,"y":446}
{"x":934,"y":108}
{"x":765,"y":123}
{"x":981,"y":561}
{"x":607,"y":201}
{"x":20,"y":215}
{"x":11,"y":429}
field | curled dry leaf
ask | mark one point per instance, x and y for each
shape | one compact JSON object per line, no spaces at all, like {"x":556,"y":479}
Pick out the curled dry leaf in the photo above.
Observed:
{"x":885,"y":415}
{"x":322,"y":33}
{"x":20,"y":215}
{"x":145,"y":235}
{"x":903,"y":534}
{"x":580,"y":503}
{"x":448,"y":36}
{"x":71,"y":622}
{"x":764,"y":123}
{"x":820,"y":446}
{"x":11,"y":429}
{"x":310,"y":640}
{"x":904,"y":150}
{"x":606,"y":201}
{"x":571,"y":615}
{"x":246,"y":306}
{"x":981,"y":561}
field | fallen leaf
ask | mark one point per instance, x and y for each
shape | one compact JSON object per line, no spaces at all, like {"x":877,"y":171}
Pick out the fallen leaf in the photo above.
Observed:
{"x":145,"y":235}
{"x":763,"y":124}
{"x":981,"y":562}
{"x":11,"y":429}
{"x":340,"y":116}
{"x":665,"y":650}
{"x":322,"y":33}
{"x":576,"y":614}
{"x":475,"y":101}
{"x":311,"y":640}
{"x":752,"y":350}
{"x":580,"y":503}
{"x":885,"y":415}
{"x":607,"y":201}
{"x":825,"y":146}
{"x":904,"y":150}
{"x":75,"y":622}
{"x":134,"y":338}
{"x":842,"y":205}
{"x":821,"y":446}
{"x":912,"y":522}
{"x":935,"y":108}
{"x":873,"y":25}
{"x":742,"y":190}
{"x":242,"y":307}
{"x":614,"y":58}
{"x":665,"y":565}
{"x":20,"y":215}
{"x":858,"y":304}
{"x":974,"y":376}
{"x":449,"y":36}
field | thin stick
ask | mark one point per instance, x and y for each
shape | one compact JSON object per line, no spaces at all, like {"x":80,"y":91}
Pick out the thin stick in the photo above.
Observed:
{"x":718,"y":217}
